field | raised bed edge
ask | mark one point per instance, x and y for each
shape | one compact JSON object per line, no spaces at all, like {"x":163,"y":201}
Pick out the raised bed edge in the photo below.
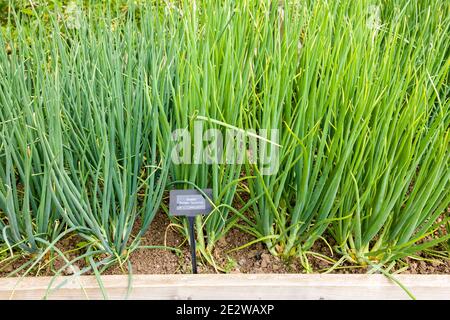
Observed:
{"x":231,"y":286}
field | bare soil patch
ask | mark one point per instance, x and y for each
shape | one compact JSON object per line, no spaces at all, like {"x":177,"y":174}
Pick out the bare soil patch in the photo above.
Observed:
{"x":254,"y":258}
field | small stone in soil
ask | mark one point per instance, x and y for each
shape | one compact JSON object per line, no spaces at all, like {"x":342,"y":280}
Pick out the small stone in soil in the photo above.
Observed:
{"x":72,"y":269}
{"x":222,"y":242}
{"x":8,"y":268}
{"x":422,"y":264}
{"x":265,"y":257}
{"x":435,"y":263}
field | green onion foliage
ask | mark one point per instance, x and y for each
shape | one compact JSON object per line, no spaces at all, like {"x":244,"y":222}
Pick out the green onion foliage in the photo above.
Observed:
{"x":363,"y":116}
{"x":398,"y":179}
{"x":108,"y":170}
{"x":84,"y":132}
{"x":210,"y":90}
{"x":28,"y":217}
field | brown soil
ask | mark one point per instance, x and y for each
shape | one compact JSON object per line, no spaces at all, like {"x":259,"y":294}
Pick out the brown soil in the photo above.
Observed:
{"x":157,"y":261}
{"x":251,"y":259}
{"x":427,"y":267}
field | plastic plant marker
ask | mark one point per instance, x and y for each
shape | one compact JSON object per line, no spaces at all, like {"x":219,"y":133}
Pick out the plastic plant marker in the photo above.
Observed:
{"x":191,"y":203}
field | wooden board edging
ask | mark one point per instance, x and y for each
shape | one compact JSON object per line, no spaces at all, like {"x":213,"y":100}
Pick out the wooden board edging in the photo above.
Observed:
{"x":231,"y":286}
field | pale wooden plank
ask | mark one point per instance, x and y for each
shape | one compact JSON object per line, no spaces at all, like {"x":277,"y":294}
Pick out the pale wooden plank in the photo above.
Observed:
{"x":233,"y":286}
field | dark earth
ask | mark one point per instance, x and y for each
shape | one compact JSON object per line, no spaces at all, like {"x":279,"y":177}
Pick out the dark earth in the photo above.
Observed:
{"x":251,"y":259}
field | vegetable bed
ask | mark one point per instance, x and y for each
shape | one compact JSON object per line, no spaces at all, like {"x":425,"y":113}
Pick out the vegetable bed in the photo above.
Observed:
{"x":322,"y":128}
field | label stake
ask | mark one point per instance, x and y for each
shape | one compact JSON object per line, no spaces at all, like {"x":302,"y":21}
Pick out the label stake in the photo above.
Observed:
{"x":191,"y":221}
{"x":190,"y":203}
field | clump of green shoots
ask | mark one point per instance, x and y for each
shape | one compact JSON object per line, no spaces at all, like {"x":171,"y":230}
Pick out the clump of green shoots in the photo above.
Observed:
{"x":363,"y":116}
